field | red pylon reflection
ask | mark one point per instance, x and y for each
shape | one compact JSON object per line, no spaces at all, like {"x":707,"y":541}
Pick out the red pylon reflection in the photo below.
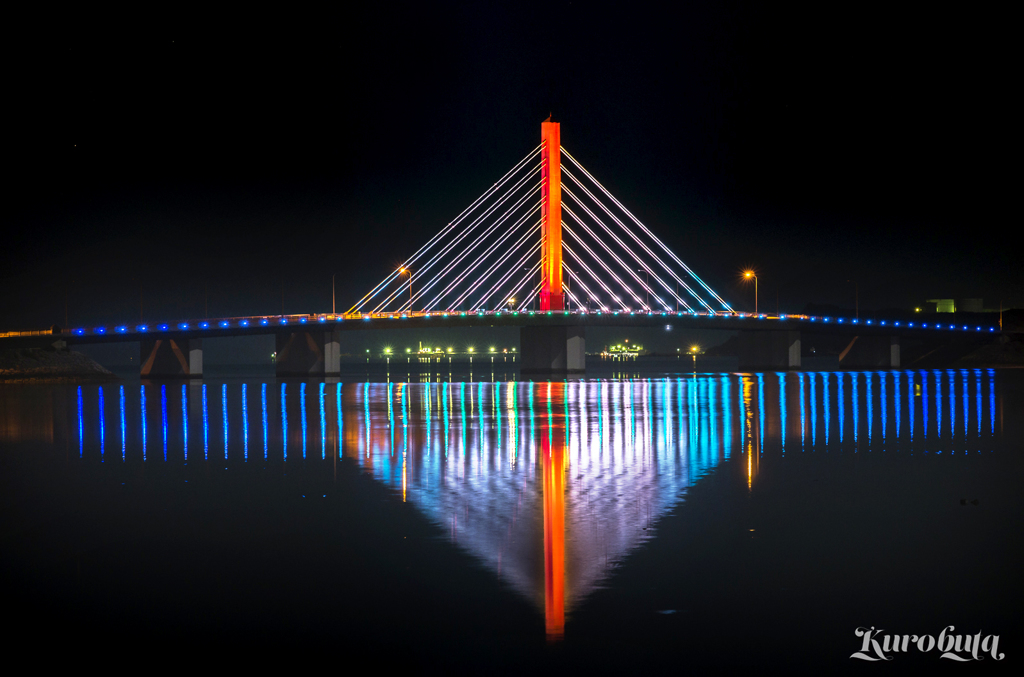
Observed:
{"x":553,"y":453}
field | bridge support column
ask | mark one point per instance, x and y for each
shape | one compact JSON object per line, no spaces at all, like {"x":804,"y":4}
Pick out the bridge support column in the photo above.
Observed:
{"x":871,"y":351}
{"x":300,"y":353}
{"x":171,"y":358}
{"x":552,"y":350}
{"x":769,"y":350}
{"x":332,"y":352}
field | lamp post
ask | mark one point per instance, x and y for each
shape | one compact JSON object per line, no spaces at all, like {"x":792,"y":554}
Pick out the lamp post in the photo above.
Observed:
{"x":333,"y":308}
{"x":750,"y":274}
{"x":403,"y":271}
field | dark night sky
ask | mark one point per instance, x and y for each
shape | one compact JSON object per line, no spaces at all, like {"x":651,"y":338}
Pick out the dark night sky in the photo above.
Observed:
{"x":842,"y":143}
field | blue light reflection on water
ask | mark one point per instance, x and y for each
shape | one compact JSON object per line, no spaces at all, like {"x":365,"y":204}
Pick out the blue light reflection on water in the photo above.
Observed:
{"x":855,"y":406}
{"x":163,"y":416}
{"x":102,"y":432}
{"x":707,"y":417}
{"x":142,"y":408}
{"x":184,"y":421}
{"x":245,"y":422}
{"x":782,"y":410}
{"x":896,"y":400}
{"x":991,"y":400}
{"x":302,"y":409}
{"x":977,"y":395}
{"x":224,"y":416}
{"x":206,"y":429}
{"x":123,"y":439}
{"x":952,"y":403}
{"x":81,"y":432}
{"x":323,"y":423}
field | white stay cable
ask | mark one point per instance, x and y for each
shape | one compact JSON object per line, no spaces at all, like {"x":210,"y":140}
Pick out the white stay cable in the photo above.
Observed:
{"x":638,"y":241}
{"x":628,"y":269}
{"x":480,"y":240}
{"x":579,"y":281}
{"x":465,"y":212}
{"x":483,"y":257}
{"x":646,"y":230}
{"x":523,"y":281}
{"x":636,"y":258}
{"x":511,"y":271}
{"x":576,"y":257}
{"x":461,"y":237}
{"x":573,"y":298}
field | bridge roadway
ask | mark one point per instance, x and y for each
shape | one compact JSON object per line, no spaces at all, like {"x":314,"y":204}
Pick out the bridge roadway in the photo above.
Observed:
{"x":551,"y":342}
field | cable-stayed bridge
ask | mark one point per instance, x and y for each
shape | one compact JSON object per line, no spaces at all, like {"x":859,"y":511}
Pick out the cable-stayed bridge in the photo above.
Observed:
{"x":547,"y":248}
{"x":547,"y":236}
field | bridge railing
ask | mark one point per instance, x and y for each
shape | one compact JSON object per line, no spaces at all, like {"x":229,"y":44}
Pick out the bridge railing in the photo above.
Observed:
{"x":256,"y":321}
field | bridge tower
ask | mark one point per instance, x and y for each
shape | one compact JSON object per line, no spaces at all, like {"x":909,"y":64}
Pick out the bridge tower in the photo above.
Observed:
{"x":551,"y":217}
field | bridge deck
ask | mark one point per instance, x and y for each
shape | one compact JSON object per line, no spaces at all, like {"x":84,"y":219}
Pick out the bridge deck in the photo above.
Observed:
{"x":273,"y":324}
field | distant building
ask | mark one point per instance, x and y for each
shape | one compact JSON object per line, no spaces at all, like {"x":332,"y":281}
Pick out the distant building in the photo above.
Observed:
{"x":953,"y":305}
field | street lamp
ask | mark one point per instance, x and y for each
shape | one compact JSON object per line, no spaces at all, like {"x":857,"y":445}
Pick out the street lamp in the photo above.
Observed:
{"x":403,"y":271}
{"x":750,"y":274}
{"x":333,"y":308}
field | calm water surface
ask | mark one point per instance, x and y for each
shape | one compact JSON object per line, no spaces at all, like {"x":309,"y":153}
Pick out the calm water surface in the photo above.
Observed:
{"x":713,"y":520}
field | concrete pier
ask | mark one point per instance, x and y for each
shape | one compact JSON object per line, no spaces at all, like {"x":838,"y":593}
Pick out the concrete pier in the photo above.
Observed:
{"x":332,"y":353}
{"x":769,"y":350}
{"x":552,"y":350}
{"x":171,"y":358}
{"x":300,"y":353}
{"x":871,"y":352}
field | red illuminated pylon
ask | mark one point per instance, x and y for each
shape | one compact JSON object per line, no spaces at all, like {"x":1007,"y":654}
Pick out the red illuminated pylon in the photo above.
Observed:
{"x":551,"y":217}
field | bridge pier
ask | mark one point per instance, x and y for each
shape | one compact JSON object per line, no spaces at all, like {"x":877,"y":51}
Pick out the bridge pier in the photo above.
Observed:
{"x":769,"y":350}
{"x":308,"y":353}
{"x":171,"y":358}
{"x":552,"y":350}
{"x":870,"y":352}
{"x":332,"y":353}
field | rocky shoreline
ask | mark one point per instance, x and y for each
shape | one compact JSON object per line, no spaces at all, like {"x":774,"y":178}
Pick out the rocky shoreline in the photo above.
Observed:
{"x":50,"y":364}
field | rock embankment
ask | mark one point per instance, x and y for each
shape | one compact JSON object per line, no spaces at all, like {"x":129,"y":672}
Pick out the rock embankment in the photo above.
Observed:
{"x":51,"y":364}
